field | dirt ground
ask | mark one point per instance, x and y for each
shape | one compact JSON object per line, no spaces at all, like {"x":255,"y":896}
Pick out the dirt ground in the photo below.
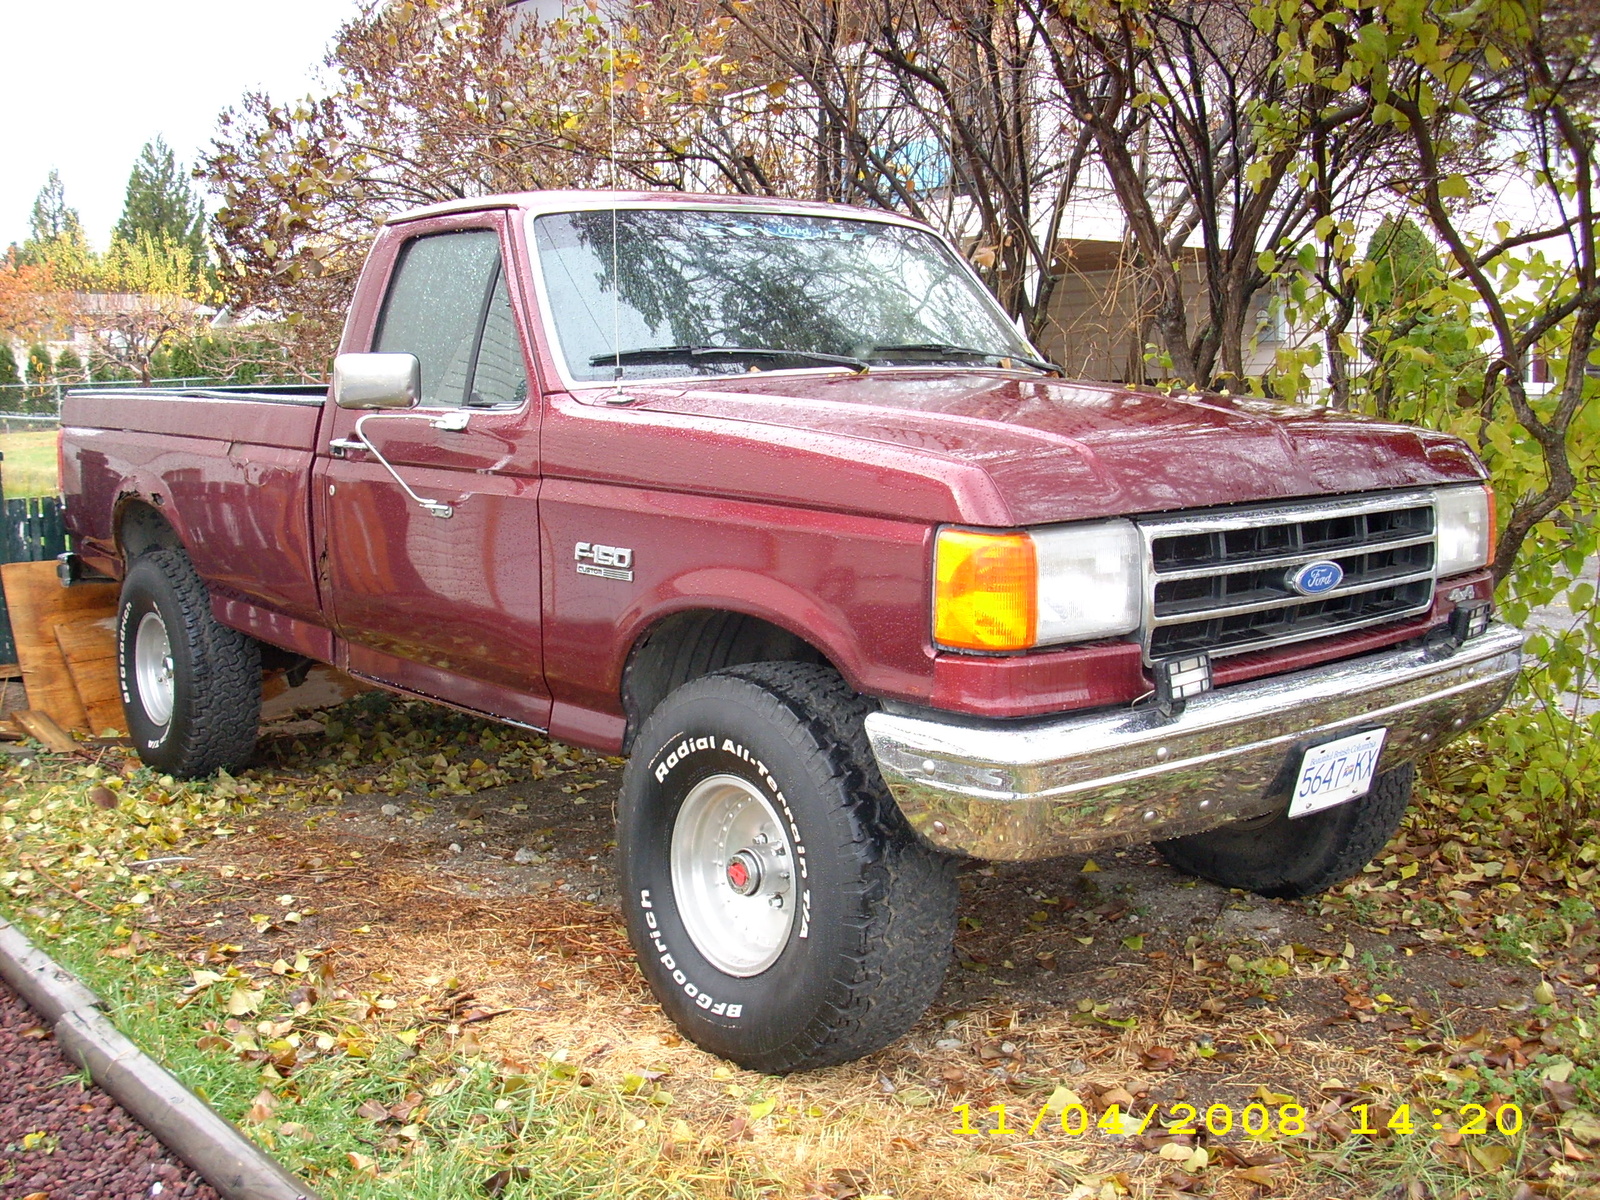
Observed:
{"x":1110,"y":980}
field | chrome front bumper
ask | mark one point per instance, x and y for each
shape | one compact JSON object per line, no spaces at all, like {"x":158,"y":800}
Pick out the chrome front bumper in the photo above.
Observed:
{"x":1121,"y":777}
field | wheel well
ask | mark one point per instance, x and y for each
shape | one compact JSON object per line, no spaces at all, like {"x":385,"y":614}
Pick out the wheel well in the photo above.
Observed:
{"x":140,"y":529}
{"x":688,"y":645}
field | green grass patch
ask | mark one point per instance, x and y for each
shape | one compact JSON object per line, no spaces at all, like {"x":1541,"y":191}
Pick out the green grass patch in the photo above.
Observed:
{"x":30,"y":463}
{"x":362,"y":1108}
{"x":365,"y":1097}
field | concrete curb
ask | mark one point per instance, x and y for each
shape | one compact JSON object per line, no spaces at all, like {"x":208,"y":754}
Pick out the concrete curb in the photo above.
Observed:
{"x":49,"y":990}
{"x":184,"y":1123}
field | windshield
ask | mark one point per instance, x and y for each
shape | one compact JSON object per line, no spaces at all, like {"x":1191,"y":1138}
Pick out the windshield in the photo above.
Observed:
{"x":712,"y":283}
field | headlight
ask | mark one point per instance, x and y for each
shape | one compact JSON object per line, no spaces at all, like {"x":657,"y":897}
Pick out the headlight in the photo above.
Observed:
{"x":1090,"y":579}
{"x":1014,"y":591}
{"x":1465,"y":530}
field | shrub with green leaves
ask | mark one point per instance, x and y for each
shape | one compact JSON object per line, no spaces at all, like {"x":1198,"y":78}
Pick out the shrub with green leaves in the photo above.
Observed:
{"x":1476,"y":317}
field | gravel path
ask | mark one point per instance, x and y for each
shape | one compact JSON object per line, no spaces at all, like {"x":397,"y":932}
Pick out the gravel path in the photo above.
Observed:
{"x":61,"y":1142}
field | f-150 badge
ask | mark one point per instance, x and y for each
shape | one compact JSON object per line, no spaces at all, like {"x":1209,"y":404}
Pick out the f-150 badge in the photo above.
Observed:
{"x":608,"y":562}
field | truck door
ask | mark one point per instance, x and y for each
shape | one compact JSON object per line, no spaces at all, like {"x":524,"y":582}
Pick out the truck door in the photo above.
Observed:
{"x":444,"y":601}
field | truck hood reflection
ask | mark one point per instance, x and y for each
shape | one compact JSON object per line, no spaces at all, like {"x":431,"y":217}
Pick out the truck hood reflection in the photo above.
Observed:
{"x":1060,"y":450}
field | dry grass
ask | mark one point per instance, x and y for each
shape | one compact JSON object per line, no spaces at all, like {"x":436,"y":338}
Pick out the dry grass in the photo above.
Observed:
{"x":562,"y":977}
{"x":393,"y":837}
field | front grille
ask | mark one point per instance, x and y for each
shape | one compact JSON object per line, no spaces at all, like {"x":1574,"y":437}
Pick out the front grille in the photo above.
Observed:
{"x":1219,"y":581}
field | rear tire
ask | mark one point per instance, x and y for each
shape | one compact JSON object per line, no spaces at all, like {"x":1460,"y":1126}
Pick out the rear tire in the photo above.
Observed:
{"x":784,"y":914}
{"x":191,"y":687}
{"x":1283,"y":859}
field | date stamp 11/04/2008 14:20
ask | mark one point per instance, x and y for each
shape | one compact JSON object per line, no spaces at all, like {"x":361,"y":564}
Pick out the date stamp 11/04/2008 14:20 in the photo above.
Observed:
{"x":1256,"y":1120}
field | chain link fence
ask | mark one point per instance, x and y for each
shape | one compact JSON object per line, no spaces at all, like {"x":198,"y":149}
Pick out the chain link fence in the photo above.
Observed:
{"x":38,"y":405}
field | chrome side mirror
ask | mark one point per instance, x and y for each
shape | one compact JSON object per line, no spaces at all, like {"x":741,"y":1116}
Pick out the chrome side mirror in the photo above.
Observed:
{"x":377,"y":381}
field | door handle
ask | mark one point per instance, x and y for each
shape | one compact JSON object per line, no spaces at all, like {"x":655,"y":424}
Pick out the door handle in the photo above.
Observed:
{"x":340,"y":447}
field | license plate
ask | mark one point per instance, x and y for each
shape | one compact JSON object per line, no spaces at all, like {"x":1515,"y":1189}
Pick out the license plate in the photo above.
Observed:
{"x":1335,"y":772}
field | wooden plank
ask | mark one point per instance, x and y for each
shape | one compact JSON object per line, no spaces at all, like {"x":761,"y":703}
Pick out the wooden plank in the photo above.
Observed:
{"x":89,"y":646}
{"x":37,"y":603}
{"x":66,"y":648}
{"x":323,"y":688}
{"x":42,"y":728}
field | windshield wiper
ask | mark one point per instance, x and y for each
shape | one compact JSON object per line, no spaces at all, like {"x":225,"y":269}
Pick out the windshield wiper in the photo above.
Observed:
{"x":665,"y":354}
{"x":940,"y":348}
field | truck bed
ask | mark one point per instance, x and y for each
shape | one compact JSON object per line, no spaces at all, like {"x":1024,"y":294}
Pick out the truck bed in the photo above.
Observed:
{"x":229,"y":468}
{"x":272,"y":415}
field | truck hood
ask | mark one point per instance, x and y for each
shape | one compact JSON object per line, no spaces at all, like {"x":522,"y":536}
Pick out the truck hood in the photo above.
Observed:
{"x":1055,"y":450}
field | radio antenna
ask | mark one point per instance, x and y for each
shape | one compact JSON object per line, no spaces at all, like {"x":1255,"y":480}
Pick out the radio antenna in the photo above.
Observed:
{"x":611,"y":120}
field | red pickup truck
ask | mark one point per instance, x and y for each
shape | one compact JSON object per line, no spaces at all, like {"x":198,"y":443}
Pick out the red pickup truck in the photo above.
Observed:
{"x":775,"y":499}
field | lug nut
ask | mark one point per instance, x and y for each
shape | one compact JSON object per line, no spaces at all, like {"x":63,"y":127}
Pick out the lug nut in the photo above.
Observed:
{"x":775,"y":900}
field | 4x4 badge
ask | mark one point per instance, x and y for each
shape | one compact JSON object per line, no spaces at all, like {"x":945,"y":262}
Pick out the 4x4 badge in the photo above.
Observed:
{"x":607,"y":562}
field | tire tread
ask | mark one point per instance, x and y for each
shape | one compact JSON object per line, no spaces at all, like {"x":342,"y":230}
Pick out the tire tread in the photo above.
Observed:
{"x":904,"y":924}
{"x":1310,"y":855}
{"x":224,"y":700}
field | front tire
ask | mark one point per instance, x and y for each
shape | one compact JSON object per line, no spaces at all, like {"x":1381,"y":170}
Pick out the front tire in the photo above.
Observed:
{"x":784,"y":914}
{"x":1284,"y":859}
{"x":191,"y":687}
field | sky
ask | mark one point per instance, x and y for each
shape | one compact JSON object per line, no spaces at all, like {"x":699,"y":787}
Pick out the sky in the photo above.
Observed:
{"x":85,"y":85}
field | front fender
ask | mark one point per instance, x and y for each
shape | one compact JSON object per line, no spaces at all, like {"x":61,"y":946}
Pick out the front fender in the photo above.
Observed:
{"x":855,"y":588}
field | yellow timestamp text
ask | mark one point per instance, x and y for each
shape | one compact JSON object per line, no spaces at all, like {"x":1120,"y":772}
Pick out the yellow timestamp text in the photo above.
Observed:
{"x":1254,"y":1120}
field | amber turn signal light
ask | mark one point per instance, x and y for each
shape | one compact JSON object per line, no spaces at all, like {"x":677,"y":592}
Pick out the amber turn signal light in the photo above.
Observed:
{"x":985,"y":593}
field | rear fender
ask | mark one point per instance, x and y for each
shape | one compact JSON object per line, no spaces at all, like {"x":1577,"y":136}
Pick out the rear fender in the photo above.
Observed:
{"x":142,"y":520}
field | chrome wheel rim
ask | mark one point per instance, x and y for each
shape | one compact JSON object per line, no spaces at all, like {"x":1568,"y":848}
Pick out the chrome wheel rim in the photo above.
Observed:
{"x":152,"y":668}
{"x":733,"y":875}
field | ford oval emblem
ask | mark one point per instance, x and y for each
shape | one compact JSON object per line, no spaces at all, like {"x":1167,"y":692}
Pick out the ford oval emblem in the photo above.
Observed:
{"x":1315,"y":579}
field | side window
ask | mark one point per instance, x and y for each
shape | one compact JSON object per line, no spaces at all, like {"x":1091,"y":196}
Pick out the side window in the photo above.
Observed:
{"x":446,"y":299}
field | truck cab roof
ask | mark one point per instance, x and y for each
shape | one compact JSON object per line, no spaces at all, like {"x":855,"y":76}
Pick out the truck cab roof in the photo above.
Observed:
{"x":574,"y":199}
